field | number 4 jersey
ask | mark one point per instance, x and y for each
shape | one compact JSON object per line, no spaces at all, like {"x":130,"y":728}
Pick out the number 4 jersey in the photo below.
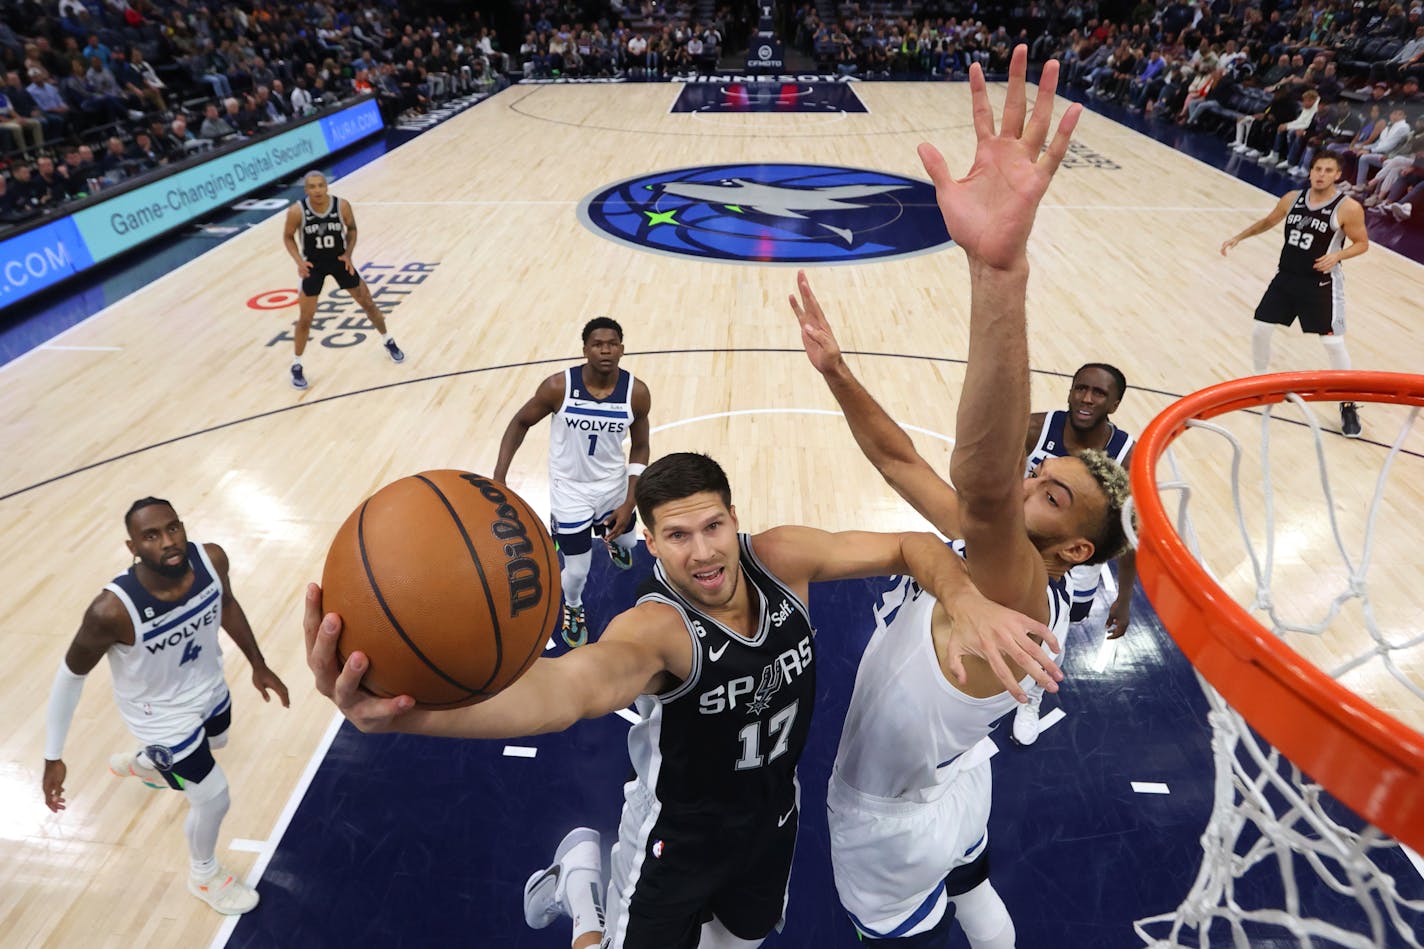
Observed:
{"x":174,"y":662}
{"x":729,"y":736}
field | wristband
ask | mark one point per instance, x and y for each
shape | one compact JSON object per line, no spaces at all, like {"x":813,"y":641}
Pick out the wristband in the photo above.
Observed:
{"x":635,"y":470}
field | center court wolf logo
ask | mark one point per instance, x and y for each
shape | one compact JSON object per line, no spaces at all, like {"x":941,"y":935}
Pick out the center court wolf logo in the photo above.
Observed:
{"x":772,"y":214}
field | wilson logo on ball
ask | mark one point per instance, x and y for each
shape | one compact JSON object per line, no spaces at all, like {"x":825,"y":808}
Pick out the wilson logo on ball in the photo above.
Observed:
{"x":525,"y":589}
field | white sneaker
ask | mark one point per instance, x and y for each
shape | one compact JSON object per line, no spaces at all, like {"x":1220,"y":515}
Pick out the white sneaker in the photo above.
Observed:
{"x":1298,"y":171}
{"x":1252,"y":152}
{"x":224,"y":893}
{"x":1270,"y":158}
{"x":1283,"y":164}
{"x":545,"y":889}
{"x":127,"y":765}
{"x":1402,"y":211}
{"x":1240,"y":148}
{"x":1025,"y":730}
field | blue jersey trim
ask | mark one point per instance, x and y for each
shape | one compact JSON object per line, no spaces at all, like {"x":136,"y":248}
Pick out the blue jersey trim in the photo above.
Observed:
{"x":206,"y":602}
{"x":914,"y":919}
{"x":600,"y":413}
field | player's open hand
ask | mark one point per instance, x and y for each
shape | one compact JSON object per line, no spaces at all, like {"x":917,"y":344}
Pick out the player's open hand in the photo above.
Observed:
{"x":264,"y":679}
{"x":54,"y":774}
{"x":343,"y":684}
{"x":989,"y":212}
{"x":304,"y":269}
{"x":999,"y":636}
{"x":821,"y":346}
{"x":1227,"y":245}
{"x":346,"y":259}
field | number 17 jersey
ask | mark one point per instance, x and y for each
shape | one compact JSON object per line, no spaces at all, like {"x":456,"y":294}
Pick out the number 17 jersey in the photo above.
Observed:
{"x":727,"y":738}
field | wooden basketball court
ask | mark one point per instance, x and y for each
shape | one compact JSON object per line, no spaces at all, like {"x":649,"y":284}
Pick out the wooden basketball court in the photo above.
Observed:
{"x":174,"y":392}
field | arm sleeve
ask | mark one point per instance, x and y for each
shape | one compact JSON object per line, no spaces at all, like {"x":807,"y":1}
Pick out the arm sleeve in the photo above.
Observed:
{"x":63,"y":699}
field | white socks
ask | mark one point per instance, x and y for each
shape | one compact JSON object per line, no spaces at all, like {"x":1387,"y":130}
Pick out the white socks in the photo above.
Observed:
{"x":1261,"y":345}
{"x":208,"y":802}
{"x":1335,"y":352}
{"x":583,"y":893}
{"x":574,"y":576}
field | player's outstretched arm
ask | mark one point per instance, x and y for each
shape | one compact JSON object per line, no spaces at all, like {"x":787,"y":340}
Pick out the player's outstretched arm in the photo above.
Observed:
{"x":547,"y":399}
{"x":1277,"y":215}
{"x":990,"y":212}
{"x":630,"y":658}
{"x":803,"y":555}
{"x":884,"y":444}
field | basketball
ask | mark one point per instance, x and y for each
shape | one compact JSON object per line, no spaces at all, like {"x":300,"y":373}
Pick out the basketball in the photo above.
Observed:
{"x":448,"y":582}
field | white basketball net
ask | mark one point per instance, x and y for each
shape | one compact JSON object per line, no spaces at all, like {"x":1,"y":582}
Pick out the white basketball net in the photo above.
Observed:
{"x":1268,"y":818}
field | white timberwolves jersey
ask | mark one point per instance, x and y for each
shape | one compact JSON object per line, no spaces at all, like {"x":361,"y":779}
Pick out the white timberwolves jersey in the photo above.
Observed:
{"x":907,"y":724}
{"x":586,"y":443}
{"x":1082,"y":579}
{"x":175,"y":662}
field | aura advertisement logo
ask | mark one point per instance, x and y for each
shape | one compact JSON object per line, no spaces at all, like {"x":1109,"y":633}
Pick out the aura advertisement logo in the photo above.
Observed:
{"x":770,"y":214}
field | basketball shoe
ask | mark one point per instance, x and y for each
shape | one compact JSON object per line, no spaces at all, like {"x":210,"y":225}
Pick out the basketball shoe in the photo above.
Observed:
{"x":224,"y":893}
{"x":577,"y":862}
{"x":622,"y":558}
{"x":1026,"y":726}
{"x":1349,"y":420}
{"x":394,"y":351}
{"x":127,"y":765}
{"x":299,"y":381}
{"x":575,"y":629}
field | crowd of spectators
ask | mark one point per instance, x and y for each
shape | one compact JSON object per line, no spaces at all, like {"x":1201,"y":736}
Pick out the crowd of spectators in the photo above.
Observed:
{"x":98,"y":92}
{"x":644,"y":39}
{"x":1283,"y":82}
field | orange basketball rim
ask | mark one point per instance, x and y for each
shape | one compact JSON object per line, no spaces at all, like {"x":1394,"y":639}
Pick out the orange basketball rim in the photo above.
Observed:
{"x":1363,"y":756}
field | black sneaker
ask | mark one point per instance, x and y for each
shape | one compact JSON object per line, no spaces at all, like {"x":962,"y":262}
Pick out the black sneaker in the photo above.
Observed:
{"x":1349,"y":420}
{"x":622,"y":559}
{"x":394,"y":351}
{"x":299,"y":381}
{"x":575,"y":629}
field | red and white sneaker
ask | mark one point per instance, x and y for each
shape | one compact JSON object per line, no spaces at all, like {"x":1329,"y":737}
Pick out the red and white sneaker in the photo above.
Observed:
{"x":224,"y":893}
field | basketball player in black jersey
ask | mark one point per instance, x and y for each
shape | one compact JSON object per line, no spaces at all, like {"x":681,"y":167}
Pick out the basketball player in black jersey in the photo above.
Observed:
{"x":328,"y":238}
{"x":1309,"y":283}
{"x":719,"y":655}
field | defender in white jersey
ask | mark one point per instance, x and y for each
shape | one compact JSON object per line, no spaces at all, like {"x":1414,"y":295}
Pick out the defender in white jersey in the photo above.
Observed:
{"x":1095,"y":394}
{"x":158,"y":624}
{"x":595,"y":407}
{"x":1309,"y":282}
{"x":908,"y":801}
